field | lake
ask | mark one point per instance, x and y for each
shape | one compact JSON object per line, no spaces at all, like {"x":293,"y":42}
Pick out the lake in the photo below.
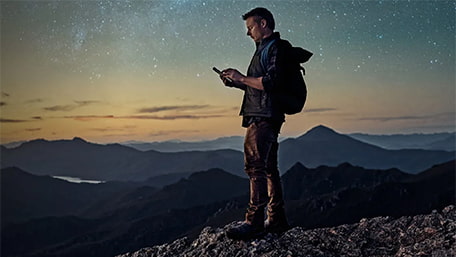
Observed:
{"x":78,"y":180}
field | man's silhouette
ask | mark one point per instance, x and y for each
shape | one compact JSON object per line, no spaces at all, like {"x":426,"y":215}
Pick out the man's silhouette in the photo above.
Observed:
{"x":263,"y":119}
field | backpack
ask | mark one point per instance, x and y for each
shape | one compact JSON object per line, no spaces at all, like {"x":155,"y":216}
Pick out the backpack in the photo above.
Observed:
{"x":292,"y":94}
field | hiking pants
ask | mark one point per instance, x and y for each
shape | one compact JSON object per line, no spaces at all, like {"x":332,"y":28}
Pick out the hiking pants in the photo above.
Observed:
{"x":260,"y":159}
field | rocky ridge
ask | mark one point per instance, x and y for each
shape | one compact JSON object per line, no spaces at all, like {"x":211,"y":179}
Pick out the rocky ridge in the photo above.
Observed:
{"x":422,"y":235}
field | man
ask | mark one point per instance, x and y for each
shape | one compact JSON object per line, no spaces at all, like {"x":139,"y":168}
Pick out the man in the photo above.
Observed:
{"x":263,"y":119}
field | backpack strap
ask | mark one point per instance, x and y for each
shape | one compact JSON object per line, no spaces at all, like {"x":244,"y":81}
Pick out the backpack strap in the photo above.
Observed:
{"x":264,"y":54}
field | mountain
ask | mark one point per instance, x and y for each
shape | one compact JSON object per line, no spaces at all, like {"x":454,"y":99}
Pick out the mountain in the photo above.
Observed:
{"x":25,"y":196}
{"x":109,"y":226}
{"x":79,"y":158}
{"x":143,"y":216}
{"x":233,"y":142}
{"x":436,"y":141}
{"x":13,"y":144}
{"x":330,"y":196}
{"x":373,"y":194}
{"x":421,"y":235}
{"x":201,"y":188}
{"x":323,"y":146}
{"x":166,"y":179}
{"x":319,"y":146}
{"x":448,"y":144}
{"x":301,"y":182}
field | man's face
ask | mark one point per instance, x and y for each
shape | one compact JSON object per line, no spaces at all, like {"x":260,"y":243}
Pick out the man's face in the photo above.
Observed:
{"x":254,"y":28}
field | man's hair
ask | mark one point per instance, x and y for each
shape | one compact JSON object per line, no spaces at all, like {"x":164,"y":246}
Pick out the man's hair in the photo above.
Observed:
{"x":263,"y":13}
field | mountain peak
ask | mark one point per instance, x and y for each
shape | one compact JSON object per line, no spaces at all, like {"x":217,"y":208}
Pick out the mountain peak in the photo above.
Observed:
{"x":326,"y":241}
{"x":321,"y":129}
{"x":78,"y":139}
{"x":319,"y":132}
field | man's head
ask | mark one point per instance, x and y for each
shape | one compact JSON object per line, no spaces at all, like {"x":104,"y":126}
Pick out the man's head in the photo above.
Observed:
{"x":260,"y":23}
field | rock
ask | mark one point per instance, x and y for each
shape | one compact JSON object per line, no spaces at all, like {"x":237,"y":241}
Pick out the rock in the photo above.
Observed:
{"x":422,"y":235}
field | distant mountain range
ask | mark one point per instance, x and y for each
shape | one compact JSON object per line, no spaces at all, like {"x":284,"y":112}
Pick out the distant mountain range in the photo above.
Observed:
{"x":79,"y":158}
{"x":437,"y":141}
{"x":319,"y":146}
{"x":44,"y":216}
{"x":233,"y":142}
{"x":323,"y":146}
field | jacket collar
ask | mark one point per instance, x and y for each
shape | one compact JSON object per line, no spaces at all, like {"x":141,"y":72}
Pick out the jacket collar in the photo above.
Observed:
{"x":264,"y":41}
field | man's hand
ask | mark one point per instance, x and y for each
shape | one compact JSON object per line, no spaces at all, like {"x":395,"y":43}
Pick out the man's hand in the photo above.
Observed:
{"x":239,"y":78}
{"x":233,"y":74}
{"x":229,"y":82}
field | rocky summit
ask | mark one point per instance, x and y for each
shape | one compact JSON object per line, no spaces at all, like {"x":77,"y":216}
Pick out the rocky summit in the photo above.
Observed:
{"x":422,"y":235}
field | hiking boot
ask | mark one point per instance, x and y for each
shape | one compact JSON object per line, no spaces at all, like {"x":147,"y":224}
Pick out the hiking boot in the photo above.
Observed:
{"x":244,"y":231}
{"x":276,"y":227}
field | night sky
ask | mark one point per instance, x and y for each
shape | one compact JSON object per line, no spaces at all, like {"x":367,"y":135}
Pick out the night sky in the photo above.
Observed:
{"x":112,"y":71}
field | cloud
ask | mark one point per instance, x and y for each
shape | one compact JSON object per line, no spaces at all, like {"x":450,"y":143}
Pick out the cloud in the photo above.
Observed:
{"x":106,"y":129}
{"x":320,"y":110}
{"x":171,"y":132}
{"x":170,"y":117}
{"x":83,"y":103}
{"x":2,"y":120}
{"x":142,"y":117}
{"x":172,"y":108}
{"x":33,"y":129}
{"x":36,"y":100}
{"x":386,"y":119}
{"x":70,"y":107}
{"x":127,"y":135}
{"x":60,"y":108}
{"x":408,"y":117}
{"x":89,"y":117}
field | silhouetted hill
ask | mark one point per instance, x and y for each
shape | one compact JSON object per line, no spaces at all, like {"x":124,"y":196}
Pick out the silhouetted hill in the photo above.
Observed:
{"x":166,"y":179}
{"x":398,"y":195}
{"x":301,"y":182}
{"x":200,"y":188}
{"x":315,"y":197}
{"x":324,"y":146}
{"x":157,"y":215}
{"x":78,"y":158}
{"x":329,"y":196}
{"x":25,"y":196}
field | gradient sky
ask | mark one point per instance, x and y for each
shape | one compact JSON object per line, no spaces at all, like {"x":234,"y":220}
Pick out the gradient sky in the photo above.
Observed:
{"x":112,"y":71}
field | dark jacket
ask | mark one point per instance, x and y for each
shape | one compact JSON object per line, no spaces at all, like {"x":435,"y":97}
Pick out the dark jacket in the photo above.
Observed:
{"x":261,"y":103}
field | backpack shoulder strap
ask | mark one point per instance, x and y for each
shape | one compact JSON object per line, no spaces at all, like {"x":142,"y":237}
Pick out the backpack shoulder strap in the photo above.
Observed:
{"x":265,"y":53}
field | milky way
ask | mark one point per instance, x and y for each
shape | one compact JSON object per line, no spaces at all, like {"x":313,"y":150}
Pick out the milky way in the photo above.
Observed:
{"x":350,"y":35}
{"x":373,"y":60}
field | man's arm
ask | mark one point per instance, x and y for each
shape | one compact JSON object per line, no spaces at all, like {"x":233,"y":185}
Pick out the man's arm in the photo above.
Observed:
{"x":237,"y":77}
{"x":274,"y":74}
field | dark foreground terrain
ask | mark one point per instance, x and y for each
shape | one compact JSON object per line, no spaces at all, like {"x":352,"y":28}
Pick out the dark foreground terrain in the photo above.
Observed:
{"x":422,"y":235}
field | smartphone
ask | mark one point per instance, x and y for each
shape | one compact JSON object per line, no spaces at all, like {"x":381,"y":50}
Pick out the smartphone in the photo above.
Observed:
{"x":220,"y":73}
{"x":217,"y":70}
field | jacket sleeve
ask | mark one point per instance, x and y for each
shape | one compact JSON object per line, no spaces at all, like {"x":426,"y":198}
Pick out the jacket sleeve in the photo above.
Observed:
{"x":274,"y":68}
